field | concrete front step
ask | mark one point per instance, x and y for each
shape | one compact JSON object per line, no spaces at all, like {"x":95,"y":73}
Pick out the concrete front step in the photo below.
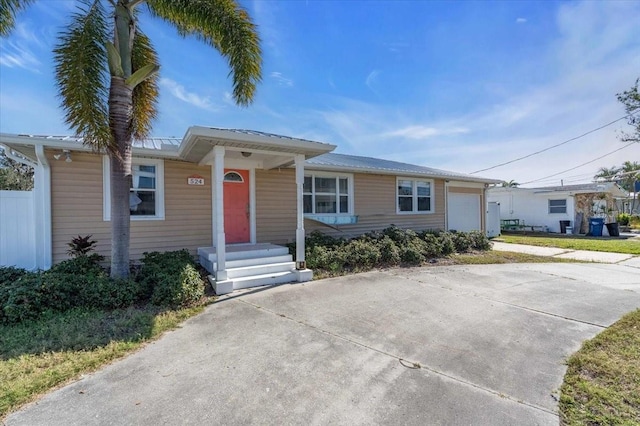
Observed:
{"x":261,"y":269}
{"x":244,"y":251}
{"x":252,"y":266}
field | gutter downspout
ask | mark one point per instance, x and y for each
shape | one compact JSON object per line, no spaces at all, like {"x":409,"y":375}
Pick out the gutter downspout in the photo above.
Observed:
{"x":42,"y":200}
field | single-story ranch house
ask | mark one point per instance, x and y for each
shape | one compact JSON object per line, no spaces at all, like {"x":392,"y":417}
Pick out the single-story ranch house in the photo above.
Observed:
{"x":231,"y":196}
{"x":547,"y":206}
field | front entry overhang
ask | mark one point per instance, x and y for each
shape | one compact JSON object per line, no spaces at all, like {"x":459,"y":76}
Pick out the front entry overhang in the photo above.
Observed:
{"x":263,"y":150}
{"x":225,"y":149}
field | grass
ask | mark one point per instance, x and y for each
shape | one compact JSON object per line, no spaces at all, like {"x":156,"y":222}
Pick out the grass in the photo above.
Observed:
{"x":602,"y":383}
{"x":38,"y":356}
{"x":493,"y":257}
{"x":575,"y":242}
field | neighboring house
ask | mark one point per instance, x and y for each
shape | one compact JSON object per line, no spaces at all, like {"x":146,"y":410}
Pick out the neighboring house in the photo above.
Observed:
{"x":547,"y":206}
{"x":231,"y":195}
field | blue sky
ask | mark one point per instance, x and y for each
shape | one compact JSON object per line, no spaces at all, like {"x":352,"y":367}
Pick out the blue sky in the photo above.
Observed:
{"x":460,"y":85}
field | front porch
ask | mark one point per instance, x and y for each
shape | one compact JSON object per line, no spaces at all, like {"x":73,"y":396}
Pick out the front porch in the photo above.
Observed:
{"x":252,"y":265}
{"x":235,"y":259}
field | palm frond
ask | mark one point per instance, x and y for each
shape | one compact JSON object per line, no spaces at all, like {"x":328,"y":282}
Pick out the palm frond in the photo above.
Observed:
{"x":145,"y":94}
{"x":81,"y":65}
{"x":227,"y":27}
{"x":8,"y":11}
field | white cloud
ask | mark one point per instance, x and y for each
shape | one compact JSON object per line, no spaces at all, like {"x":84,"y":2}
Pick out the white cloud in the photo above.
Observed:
{"x":280,"y":79}
{"x":424,"y":132}
{"x":521,"y":20}
{"x":18,"y":51}
{"x":371,"y":79}
{"x":178,"y":91}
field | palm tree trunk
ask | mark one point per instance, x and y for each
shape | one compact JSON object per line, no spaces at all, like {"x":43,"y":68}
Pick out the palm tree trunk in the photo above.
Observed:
{"x":120,"y":116}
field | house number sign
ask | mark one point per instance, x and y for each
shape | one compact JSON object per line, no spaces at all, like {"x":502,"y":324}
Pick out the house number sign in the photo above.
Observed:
{"x":195,"y":180}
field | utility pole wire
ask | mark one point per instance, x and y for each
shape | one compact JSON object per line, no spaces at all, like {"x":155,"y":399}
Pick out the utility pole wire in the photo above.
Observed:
{"x":552,"y":146}
{"x":583,"y":164}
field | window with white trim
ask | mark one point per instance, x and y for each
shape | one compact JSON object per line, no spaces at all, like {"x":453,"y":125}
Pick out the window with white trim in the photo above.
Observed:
{"x":414,"y":195}
{"x":327,"y":194}
{"x":558,"y":206}
{"x":146,"y":194}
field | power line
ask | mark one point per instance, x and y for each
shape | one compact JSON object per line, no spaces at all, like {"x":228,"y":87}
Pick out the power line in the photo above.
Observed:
{"x":583,"y":164}
{"x":552,"y":146}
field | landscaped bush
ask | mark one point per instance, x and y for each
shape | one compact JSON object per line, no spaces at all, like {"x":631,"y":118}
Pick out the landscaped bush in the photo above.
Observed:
{"x":171,"y":279}
{"x":166,"y":279}
{"x":623,"y":219}
{"x":390,"y":247}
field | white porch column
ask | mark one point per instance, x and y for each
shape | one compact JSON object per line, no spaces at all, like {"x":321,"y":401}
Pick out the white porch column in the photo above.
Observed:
{"x":42,"y":204}
{"x":300,"y":260}
{"x":221,"y":270}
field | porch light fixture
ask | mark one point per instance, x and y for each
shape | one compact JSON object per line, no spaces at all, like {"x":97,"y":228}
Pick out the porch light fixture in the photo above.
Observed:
{"x":245,"y":154}
{"x":67,"y":155}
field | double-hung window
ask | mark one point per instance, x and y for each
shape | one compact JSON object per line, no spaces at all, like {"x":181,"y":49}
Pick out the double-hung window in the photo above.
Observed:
{"x":558,"y":206}
{"x":146,"y":193}
{"x":414,"y":195}
{"x":327,"y":194}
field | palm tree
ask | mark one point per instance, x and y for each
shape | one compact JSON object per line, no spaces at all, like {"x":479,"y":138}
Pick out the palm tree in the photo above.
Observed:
{"x":106,"y":72}
{"x":631,"y":101}
{"x":511,"y":184}
{"x":607,"y":173}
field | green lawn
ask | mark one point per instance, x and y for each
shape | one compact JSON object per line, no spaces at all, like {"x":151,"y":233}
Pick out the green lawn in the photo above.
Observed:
{"x":574,"y":242}
{"x":602,"y":383}
{"x":37,"y":356}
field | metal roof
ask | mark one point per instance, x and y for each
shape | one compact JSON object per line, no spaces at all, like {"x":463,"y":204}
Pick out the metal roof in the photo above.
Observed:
{"x":265,"y":134}
{"x":590,"y":187}
{"x":158,"y":143}
{"x":378,"y":165}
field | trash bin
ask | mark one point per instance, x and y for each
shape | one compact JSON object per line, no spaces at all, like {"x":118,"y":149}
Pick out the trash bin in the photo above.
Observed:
{"x":569,"y":230}
{"x":614,"y":230}
{"x":563,"y":226}
{"x":595,"y":226}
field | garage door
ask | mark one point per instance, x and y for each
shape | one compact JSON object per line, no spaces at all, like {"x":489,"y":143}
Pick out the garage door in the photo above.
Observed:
{"x":463,"y":212}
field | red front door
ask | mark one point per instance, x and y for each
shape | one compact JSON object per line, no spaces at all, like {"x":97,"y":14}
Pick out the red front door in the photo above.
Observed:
{"x":236,"y":206}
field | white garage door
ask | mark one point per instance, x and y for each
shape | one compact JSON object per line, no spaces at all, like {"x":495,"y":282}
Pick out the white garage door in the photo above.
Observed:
{"x":463,"y":212}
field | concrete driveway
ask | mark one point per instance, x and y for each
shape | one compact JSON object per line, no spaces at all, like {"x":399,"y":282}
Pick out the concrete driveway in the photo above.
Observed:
{"x":453,"y":345}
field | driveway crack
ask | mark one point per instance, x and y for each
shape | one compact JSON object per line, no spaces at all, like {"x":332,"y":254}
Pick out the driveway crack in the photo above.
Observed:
{"x":414,"y":365}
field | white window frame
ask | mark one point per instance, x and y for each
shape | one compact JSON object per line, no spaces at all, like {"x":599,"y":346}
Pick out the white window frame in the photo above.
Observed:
{"x":159,"y":190}
{"x":558,"y":199}
{"x":337,"y":176}
{"x":414,"y":194}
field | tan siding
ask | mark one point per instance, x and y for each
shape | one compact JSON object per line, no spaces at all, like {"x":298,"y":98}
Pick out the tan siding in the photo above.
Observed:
{"x":76,"y":194}
{"x":374,"y":204}
{"x":275,"y":206}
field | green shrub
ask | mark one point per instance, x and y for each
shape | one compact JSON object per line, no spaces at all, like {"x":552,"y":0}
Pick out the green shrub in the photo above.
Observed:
{"x":361,"y":254}
{"x":85,"y":265}
{"x":8,"y":274}
{"x":479,"y":241}
{"x":398,"y":235}
{"x":389,"y":251}
{"x":412,"y":252}
{"x":170,"y":279}
{"x":317,"y":238}
{"x":634,"y":221}
{"x":21,"y":299}
{"x":623,"y":219}
{"x":432,"y":245}
{"x":181,"y":290}
{"x":323,"y":258}
{"x":447,"y":244}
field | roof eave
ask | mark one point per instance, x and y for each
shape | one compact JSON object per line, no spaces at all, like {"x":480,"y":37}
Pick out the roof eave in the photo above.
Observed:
{"x":393,"y":172}
{"x":222,"y":137}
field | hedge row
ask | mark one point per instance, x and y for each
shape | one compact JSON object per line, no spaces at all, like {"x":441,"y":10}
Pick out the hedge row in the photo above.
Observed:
{"x":164,"y":279}
{"x":391,"y":247}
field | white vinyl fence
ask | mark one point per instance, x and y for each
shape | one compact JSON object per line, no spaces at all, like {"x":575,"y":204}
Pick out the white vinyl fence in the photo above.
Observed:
{"x":17,"y":229}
